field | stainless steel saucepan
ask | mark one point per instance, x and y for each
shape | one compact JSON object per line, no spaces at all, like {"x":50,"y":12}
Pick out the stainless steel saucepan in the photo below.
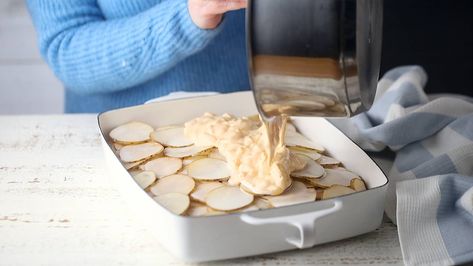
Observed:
{"x":314,"y":57}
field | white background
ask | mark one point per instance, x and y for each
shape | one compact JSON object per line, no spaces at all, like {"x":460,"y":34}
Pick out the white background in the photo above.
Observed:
{"x":27,"y":85}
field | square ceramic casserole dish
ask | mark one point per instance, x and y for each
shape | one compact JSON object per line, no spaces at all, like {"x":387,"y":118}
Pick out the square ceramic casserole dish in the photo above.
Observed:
{"x":257,"y":232}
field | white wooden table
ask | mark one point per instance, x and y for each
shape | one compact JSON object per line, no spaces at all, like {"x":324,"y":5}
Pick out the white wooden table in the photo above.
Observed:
{"x":58,"y":208}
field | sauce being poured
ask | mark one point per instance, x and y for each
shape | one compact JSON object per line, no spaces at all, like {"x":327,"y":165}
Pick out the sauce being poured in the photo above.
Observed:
{"x":255,"y":151}
{"x":275,"y":128}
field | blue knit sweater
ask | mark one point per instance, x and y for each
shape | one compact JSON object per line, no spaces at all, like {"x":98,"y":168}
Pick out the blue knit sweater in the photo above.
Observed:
{"x":116,"y":53}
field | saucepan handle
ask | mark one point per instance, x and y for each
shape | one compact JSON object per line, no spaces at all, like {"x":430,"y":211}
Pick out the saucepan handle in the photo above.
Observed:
{"x":304,"y":222}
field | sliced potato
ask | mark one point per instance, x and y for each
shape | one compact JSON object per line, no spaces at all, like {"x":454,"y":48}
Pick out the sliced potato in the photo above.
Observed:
{"x":131,"y":133}
{"x":311,"y":169}
{"x":215,"y":154}
{"x":173,"y":184}
{"x":189,"y":160}
{"x":197,"y":211}
{"x":145,"y":178}
{"x":171,"y":136}
{"x":183,"y":171}
{"x":117,"y":146}
{"x":196,"y":204}
{"x":134,"y":172}
{"x":319,"y":192}
{"x":306,"y":181}
{"x":202,"y":189}
{"x":336,"y":191}
{"x":262,"y":203}
{"x":139,"y":146}
{"x":228,"y":198}
{"x":328,"y":161}
{"x":248,"y":208}
{"x":335,"y":177}
{"x":163,"y":166}
{"x":309,"y":153}
{"x":294,"y":139}
{"x":138,"y":152}
{"x":209,"y":169}
{"x":357,"y":184}
{"x":174,"y":202}
{"x":182,"y":152}
{"x":133,"y":165}
{"x":212,"y":212}
{"x":297,"y":193}
{"x":297,"y":161}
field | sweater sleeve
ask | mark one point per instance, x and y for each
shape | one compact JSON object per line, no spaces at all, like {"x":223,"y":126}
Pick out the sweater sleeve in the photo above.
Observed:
{"x":92,"y":55}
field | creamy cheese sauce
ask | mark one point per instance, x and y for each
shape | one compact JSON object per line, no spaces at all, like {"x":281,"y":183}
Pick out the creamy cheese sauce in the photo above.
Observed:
{"x":259,"y":161}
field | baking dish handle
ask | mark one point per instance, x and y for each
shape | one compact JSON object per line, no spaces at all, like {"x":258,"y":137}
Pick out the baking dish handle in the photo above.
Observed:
{"x":304,"y":222}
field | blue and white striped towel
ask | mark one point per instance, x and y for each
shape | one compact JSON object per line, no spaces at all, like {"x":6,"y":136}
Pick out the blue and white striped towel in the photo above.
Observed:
{"x":431,"y":192}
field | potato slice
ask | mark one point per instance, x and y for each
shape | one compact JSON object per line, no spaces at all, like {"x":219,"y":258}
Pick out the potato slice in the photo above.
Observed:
{"x":297,"y":193}
{"x":262,"y":203}
{"x":175,"y":202}
{"x":357,"y":184}
{"x":319,"y":192}
{"x":133,"y":165}
{"x":294,"y":139}
{"x":183,"y":171}
{"x":297,"y":161}
{"x":131,"y":133}
{"x":183,"y":152}
{"x":335,"y":177}
{"x":145,"y":178}
{"x":117,"y":146}
{"x":196,"y":204}
{"x":171,"y":136}
{"x":228,"y":198}
{"x":209,"y":169}
{"x":197,"y":211}
{"x":163,"y":166}
{"x":215,"y":154}
{"x":309,"y":153}
{"x":212,"y":212}
{"x":336,"y":191}
{"x":311,"y":169}
{"x":134,"y":172}
{"x":189,"y":160}
{"x":202,"y":189}
{"x":306,"y":181}
{"x":328,"y":161}
{"x":173,"y":184}
{"x":138,"y":152}
{"x":248,"y":208}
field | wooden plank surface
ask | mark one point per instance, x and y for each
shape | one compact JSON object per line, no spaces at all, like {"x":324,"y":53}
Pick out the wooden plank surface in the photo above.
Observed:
{"x":57,"y":207}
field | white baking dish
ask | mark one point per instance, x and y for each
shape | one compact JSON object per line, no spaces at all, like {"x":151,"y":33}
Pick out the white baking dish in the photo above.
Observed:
{"x":258,"y":232}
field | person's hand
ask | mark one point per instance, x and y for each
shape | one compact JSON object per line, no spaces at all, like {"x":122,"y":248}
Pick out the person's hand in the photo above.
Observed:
{"x":207,"y":14}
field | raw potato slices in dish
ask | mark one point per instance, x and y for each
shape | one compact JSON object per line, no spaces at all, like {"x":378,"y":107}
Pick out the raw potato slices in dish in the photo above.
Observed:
{"x":131,"y":133}
{"x":192,"y":178}
{"x":171,"y":136}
